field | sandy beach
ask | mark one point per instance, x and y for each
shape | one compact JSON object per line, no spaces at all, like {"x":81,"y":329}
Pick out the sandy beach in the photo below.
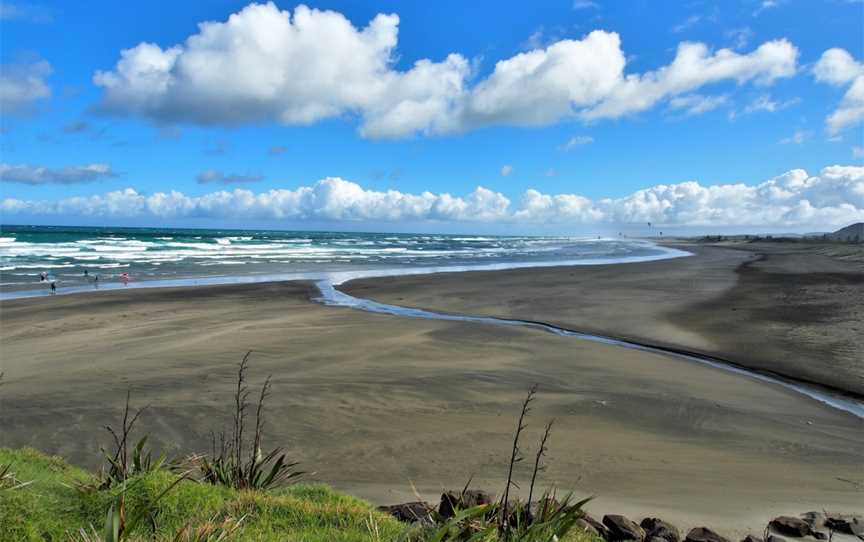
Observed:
{"x":791,"y":309}
{"x":375,"y":403}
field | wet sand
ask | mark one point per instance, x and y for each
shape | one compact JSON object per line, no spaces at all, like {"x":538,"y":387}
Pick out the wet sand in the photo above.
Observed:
{"x":792,"y":309}
{"x":375,"y":403}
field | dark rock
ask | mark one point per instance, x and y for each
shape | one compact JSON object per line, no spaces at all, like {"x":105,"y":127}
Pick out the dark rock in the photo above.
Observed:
{"x":751,"y":538}
{"x":816,"y":520}
{"x":820,"y":535}
{"x":452,"y":501}
{"x":595,"y":525}
{"x":409,"y":512}
{"x":853,"y":525}
{"x":704,"y":534}
{"x":657,"y":528}
{"x":774,"y":538}
{"x":621,"y":528}
{"x":790,"y":526}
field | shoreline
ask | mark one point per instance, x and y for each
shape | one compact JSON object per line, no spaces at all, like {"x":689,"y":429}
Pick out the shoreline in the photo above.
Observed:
{"x":837,"y":398}
{"x":376,"y":403}
{"x":341,"y":277}
{"x":654,"y":304}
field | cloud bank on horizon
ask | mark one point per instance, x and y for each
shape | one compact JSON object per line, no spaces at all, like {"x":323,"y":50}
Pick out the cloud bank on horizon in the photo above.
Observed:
{"x":833,"y":198}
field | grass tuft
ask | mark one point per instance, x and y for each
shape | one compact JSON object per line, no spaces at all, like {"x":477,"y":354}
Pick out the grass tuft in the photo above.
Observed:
{"x":238,"y":463}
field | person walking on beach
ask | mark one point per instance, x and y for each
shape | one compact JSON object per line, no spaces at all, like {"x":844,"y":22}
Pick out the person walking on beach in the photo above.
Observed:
{"x":96,"y":281}
{"x":125,"y":278}
{"x":86,"y":273}
{"x":43,"y":276}
{"x":53,"y":287}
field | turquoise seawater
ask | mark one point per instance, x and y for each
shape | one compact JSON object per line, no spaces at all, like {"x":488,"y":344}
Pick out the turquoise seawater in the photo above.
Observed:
{"x":148,"y":254}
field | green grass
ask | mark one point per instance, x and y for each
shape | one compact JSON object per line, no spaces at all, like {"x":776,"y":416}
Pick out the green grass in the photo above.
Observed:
{"x":52,"y":507}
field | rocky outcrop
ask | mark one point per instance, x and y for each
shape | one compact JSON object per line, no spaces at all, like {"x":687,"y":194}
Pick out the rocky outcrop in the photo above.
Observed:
{"x":452,"y":501}
{"x":588,"y":523}
{"x":853,"y":525}
{"x":409,"y":512}
{"x":704,"y":534}
{"x":618,"y":528}
{"x":816,"y":520}
{"x":621,"y":529}
{"x":790,"y":526}
{"x":657,"y":528}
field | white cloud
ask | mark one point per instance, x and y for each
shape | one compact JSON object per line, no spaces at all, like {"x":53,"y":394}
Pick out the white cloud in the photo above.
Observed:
{"x":687,"y":23}
{"x":857,"y":152}
{"x":696,"y":104}
{"x":268,"y":65}
{"x":506,"y":170}
{"x":265,"y":64}
{"x":23,"y":84}
{"x":797,"y":138}
{"x":214,"y":176}
{"x":765,"y":5}
{"x":39,"y":175}
{"x":837,"y":67}
{"x":795,"y":199}
{"x":768,"y":104}
{"x":693,"y":67}
{"x":740,"y":37}
{"x":575,"y":142}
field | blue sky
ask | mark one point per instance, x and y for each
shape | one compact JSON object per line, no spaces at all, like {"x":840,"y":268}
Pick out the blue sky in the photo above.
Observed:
{"x":744,"y":118}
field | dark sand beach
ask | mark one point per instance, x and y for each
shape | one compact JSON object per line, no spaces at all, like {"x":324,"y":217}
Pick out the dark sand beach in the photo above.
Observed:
{"x":375,"y":403}
{"x":792,"y":309}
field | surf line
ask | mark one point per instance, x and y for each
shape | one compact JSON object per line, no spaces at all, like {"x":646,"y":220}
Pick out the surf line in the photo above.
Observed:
{"x":332,"y":296}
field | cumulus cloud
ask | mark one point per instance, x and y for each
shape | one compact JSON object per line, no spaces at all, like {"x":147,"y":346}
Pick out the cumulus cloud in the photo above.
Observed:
{"x":506,"y":170}
{"x":695,"y":66}
{"x":269,"y":65}
{"x":22,"y":85}
{"x":765,"y":5}
{"x":767,"y":104}
{"x":575,"y":142}
{"x":214,"y":176}
{"x":690,"y":21}
{"x":837,"y":67}
{"x":795,"y":199}
{"x":39,"y":175}
{"x":265,"y":64}
{"x":797,"y":138}
{"x":740,"y":37}
{"x":696,"y":104}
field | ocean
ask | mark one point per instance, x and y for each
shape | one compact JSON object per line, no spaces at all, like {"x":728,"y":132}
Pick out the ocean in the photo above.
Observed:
{"x":124,"y":257}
